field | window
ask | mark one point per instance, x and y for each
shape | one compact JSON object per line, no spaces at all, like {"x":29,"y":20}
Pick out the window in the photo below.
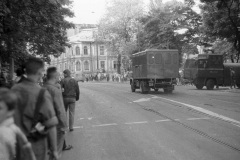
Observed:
{"x":114,"y":64}
{"x":65,"y":67}
{"x":86,"y":66}
{"x":101,"y":50}
{"x":70,"y":67}
{"x":168,"y":58}
{"x":151,"y":58}
{"x":78,"y":66}
{"x":77,"y":50}
{"x":158,"y":58}
{"x":85,"y":50}
{"x":102,"y":64}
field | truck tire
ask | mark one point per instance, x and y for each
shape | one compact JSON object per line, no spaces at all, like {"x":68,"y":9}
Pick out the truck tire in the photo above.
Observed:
{"x":143,"y":88}
{"x":238,"y":85}
{"x":210,"y":84}
{"x":166,"y":90}
{"x":156,"y":89}
{"x":133,"y":87}
{"x":199,"y":86}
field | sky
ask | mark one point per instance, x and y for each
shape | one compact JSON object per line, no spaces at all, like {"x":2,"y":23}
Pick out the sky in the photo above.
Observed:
{"x":90,"y":11}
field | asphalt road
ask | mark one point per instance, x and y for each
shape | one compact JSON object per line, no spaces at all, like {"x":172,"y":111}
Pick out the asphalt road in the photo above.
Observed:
{"x":112,"y":123}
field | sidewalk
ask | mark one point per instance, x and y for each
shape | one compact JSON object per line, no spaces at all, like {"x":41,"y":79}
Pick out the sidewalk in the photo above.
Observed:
{"x":108,"y":82}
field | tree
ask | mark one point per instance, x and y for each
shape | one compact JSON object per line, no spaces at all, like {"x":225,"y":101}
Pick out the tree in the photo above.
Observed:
{"x":162,"y":25}
{"x":221,"y":22}
{"x":120,"y":25}
{"x":33,"y":26}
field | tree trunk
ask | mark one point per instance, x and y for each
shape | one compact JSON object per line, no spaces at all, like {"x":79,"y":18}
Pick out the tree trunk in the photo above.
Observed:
{"x":11,"y":69}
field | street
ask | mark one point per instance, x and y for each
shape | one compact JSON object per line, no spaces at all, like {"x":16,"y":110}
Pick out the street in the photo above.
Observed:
{"x":112,"y":123}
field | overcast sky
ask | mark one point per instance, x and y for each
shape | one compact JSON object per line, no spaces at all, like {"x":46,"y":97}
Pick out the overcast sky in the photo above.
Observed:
{"x":90,"y":11}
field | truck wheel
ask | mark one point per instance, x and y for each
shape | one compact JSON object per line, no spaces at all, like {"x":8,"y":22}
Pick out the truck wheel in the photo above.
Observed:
{"x":133,"y":87}
{"x":167,"y":90}
{"x":144,"y":89}
{"x":199,"y":86}
{"x":238,"y":85}
{"x":156,"y":89}
{"x":210,"y":84}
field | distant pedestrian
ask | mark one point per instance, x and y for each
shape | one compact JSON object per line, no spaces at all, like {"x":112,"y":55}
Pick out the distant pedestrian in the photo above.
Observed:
{"x":232,"y":76}
{"x":13,"y":143}
{"x":71,"y":94}
{"x":51,"y":84}
{"x":35,"y":113}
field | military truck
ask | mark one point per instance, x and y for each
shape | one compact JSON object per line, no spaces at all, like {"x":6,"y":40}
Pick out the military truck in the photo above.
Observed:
{"x":154,"y":69}
{"x":209,"y":70}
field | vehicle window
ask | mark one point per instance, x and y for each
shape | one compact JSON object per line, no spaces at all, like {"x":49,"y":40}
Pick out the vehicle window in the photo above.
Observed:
{"x":168,"y":58}
{"x":151,"y":58}
{"x":202,"y":63}
{"x":158,"y":58}
{"x":175,"y":58}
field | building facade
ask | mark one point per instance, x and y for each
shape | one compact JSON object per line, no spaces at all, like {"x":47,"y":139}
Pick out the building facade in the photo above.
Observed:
{"x":86,"y":56}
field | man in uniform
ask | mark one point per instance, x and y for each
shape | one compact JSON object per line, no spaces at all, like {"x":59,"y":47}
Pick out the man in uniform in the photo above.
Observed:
{"x":71,"y":94}
{"x":52,"y":78}
{"x":28,"y":93}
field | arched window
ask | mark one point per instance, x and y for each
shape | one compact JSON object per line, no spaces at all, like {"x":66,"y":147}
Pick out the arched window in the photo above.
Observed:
{"x":77,"y":50}
{"x":69,"y":66}
{"x":86,"y":66}
{"x":85,"y":50}
{"x":78,"y":66}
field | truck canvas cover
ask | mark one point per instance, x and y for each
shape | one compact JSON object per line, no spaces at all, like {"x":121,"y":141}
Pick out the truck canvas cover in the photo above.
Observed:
{"x":156,"y":64}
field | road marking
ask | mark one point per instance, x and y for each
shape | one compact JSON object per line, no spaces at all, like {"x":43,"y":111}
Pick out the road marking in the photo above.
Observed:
{"x":90,"y":118}
{"x":142,"y":122}
{"x":177,"y":119}
{"x":77,"y":127}
{"x":192,"y":119}
{"x":142,"y":100}
{"x":210,"y":113}
{"x":103,"y":125}
{"x":163,"y":120}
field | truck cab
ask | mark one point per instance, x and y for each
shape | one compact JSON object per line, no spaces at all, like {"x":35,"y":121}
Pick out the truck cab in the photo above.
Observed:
{"x":209,"y":70}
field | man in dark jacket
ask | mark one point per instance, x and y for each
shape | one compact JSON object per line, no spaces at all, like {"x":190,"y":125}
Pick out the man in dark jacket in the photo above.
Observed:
{"x":71,"y":94}
{"x":55,"y":92}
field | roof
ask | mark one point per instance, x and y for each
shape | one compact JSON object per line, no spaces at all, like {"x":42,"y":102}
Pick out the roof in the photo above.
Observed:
{"x":153,"y":50}
{"x":85,"y":35}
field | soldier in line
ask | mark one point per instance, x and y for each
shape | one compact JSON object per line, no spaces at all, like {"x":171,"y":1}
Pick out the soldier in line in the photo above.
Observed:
{"x":52,"y":79}
{"x":34,"y":101}
{"x":71,"y":94}
{"x":12,"y":140}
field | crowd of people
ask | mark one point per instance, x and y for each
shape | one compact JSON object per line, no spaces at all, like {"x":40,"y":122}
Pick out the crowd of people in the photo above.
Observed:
{"x":33,"y":115}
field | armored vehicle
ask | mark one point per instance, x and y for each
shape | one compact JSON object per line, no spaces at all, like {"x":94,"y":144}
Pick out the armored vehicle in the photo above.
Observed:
{"x":209,"y":70}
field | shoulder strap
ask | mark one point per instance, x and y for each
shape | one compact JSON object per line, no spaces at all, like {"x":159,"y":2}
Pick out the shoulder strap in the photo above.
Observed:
{"x":38,"y":103}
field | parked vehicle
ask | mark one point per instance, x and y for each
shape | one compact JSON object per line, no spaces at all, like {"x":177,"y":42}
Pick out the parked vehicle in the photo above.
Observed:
{"x":209,"y":70}
{"x":154,"y":69}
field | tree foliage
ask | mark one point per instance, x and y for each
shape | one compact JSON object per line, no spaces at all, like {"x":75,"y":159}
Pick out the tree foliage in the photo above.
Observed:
{"x":221,"y":22}
{"x":162,"y":25}
{"x":120,"y":24}
{"x":33,"y":26}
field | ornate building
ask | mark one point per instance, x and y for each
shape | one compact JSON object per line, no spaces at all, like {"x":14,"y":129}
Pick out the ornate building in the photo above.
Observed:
{"x":86,"y":56}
